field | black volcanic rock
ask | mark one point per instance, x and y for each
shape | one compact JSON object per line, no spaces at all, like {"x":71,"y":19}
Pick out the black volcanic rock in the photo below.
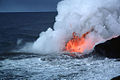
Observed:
{"x":110,"y":48}
{"x":116,"y":78}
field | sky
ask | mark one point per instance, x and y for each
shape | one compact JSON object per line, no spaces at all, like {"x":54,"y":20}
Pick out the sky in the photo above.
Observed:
{"x":28,"y":5}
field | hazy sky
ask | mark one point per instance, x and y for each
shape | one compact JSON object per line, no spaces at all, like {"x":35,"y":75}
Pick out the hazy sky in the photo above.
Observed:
{"x":28,"y":5}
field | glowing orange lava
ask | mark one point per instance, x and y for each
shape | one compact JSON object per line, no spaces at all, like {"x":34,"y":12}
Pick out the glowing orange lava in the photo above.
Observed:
{"x":79,"y":44}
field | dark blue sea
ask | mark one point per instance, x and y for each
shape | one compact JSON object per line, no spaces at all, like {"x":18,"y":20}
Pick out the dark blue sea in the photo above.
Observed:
{"x":22,"y":26}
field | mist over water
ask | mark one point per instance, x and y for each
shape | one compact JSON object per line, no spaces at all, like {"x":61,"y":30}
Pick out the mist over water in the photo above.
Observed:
{"x":103,"y":16}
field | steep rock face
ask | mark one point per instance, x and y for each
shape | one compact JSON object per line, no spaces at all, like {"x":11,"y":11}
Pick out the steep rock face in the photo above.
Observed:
{"x":110,"y":48}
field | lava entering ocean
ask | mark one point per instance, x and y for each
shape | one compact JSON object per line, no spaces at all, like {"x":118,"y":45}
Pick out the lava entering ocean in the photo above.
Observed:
{"x":102,"y":15}
{"x":79,"y":44}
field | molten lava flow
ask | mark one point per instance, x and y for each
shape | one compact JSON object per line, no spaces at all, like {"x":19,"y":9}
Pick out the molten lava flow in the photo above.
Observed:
{"x":79,"y":44}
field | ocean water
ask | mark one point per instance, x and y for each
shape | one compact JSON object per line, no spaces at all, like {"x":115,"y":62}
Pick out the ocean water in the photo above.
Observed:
{"x":18,"y":28}
{"x":22,"y":26}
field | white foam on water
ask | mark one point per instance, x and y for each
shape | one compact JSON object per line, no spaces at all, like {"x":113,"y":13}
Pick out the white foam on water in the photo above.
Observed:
{"x":60,"y":68}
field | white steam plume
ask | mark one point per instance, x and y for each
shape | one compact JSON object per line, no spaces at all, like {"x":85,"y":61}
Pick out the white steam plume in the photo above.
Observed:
{"x":80,"y":16}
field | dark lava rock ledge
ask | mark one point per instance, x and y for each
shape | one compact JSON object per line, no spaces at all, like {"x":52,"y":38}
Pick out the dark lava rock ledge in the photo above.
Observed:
{"x":110,"y":48}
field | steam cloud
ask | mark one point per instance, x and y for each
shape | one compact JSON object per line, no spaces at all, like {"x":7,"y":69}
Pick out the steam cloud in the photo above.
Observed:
{"x":80,"y":16}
